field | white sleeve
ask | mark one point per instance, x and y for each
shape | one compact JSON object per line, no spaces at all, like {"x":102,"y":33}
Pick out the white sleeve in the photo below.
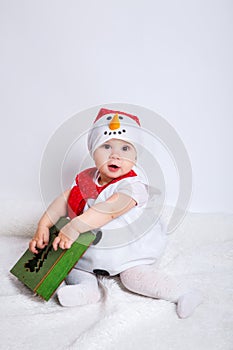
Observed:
{"x":136,"y":190}
{"x":73,"y":184}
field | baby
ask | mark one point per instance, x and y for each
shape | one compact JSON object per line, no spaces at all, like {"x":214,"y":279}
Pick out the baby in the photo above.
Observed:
{"x":110,"y":200}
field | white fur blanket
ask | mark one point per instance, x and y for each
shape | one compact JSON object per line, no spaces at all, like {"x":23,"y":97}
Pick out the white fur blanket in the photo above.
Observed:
{"x":200,"y":252}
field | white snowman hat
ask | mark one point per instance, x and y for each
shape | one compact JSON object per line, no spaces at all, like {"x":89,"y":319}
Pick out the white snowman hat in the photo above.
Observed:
{"x":111,"y":124}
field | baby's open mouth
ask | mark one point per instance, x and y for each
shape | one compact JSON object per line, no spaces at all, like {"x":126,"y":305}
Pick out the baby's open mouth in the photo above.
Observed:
{"x":113,"y":167}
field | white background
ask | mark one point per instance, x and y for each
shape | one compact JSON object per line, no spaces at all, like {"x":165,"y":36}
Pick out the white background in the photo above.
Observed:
{"x":173,"y":57}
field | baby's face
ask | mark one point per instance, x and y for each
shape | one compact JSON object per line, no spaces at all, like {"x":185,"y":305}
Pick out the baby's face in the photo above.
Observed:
{"x":114,"y":158}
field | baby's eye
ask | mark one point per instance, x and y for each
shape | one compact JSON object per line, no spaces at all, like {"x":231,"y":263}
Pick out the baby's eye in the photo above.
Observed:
{"x":106,"y":146}
{"x":126,"y":148}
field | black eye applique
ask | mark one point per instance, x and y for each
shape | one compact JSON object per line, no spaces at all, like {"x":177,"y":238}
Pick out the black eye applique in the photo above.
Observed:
{"x":109,"y":117}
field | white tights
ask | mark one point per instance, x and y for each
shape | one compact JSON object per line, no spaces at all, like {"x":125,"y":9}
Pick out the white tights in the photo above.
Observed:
{"x":146,"y":280}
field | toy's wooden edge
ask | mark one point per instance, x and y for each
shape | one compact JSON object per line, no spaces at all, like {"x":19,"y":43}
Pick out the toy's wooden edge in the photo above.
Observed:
{"x":61,"y":256}
{"x":56,"y":228}
{"x":15,"y":269}
{"x":48,"y":272}
{"x":44,"y":279}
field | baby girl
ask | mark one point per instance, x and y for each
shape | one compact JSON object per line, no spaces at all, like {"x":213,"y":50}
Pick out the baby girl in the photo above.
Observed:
{"x":110,"y":199}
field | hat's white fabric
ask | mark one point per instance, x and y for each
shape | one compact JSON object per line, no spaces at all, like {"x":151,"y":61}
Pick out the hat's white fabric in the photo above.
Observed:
{"x":114,"y":124}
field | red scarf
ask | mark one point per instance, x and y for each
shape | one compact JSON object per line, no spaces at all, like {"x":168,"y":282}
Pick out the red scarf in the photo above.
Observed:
{"x":85,"y":188}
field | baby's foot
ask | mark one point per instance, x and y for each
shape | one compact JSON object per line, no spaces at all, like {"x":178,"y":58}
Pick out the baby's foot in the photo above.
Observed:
{"x":187,"y":303}
{"x":76,"y":295}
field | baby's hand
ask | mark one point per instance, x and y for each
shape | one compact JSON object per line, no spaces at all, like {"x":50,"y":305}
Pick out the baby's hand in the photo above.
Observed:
{"x":63,"y":240}
{"x":40,"y":239}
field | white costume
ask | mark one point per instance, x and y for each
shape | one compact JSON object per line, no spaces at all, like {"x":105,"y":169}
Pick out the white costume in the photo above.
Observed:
{"x":134,"y":238}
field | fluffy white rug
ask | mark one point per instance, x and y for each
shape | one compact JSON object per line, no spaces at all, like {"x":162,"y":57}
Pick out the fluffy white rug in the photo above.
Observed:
{"x":200,"y":252}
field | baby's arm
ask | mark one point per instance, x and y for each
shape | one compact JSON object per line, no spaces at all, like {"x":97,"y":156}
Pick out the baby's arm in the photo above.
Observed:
{"x":95,"y":217}
{"x":57,"y":209}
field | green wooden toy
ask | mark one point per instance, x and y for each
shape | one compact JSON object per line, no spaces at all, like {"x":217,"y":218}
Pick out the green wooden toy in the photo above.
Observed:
{"x":44,"y":272}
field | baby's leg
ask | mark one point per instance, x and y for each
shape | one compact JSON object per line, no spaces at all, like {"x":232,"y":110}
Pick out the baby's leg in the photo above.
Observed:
{"x":82,"y":289}
{"x":147,"y":280}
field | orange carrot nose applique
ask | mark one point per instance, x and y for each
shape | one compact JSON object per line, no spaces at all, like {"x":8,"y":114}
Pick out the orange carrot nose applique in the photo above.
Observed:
{"x":114,"y":123}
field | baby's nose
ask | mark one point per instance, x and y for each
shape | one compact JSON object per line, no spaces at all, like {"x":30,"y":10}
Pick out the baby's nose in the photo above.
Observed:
{"x":115,"y":155}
